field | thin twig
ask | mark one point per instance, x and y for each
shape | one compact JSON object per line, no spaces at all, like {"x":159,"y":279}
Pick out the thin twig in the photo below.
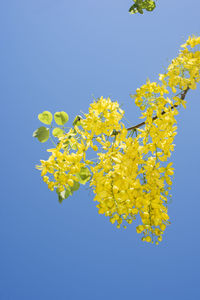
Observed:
{"x":183,"y":94}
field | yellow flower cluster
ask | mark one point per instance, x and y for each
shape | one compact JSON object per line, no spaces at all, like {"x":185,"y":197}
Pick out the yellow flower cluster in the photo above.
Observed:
{"x":64,"y":163}
{"x":104,"y":116}
{"x":183,"y":72}
{"x":131,"y":175}
{"x":68,"y":160}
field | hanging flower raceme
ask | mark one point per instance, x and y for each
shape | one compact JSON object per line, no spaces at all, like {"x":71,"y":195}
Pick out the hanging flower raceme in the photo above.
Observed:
{"x":130,"y":176}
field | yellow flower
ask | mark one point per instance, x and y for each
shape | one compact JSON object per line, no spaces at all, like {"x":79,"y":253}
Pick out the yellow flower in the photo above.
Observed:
{"x":131,"y":177}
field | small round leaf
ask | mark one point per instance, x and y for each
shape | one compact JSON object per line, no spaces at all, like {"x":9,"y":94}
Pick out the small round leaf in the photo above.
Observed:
{"x":45,"y":117}
{"x":61,"y":117}
{"x":84,"y":175}
{"x":57,"y":132}
{"x":75,"y":187}
{"x":42,"y":134}
{"x":64,"y":194}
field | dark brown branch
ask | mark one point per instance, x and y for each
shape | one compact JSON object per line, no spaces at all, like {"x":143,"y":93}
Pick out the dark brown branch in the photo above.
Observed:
{"x":183,"y":94}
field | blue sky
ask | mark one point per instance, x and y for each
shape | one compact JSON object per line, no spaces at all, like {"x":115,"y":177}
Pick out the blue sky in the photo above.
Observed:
{"x":56,"y":55}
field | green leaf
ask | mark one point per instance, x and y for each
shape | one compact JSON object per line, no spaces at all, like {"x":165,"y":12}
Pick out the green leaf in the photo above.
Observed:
{"x":42,"y":134}
{"x":77,"y":121}
{"x":61,"y":196}
{"x":65,"y":144}
{"x":84,"y":175}
{"x":68,"y":192}
{"x":75,"y":187}
{"x":139,"y":5}
{"x":132,"y":9}
{"x":57,"y":132}
{"x":61,"y":117}
{"x":64,"y":194}
{"x":150,"y":5}
{"x":45,"y":117}
{"x":140,"y":10}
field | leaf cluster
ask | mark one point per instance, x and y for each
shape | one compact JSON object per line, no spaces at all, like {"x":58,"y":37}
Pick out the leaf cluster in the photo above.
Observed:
{"x":140,"y":5}
{"x":43,"y":133}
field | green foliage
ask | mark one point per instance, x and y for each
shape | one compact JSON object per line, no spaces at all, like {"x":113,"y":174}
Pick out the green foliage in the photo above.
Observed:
{"x":77,"y":121}
{"x":68,"y":191}
{"x":64,"y":194}
{"x":75,"y":187}
{"x":140,"y":5}
{"x":45,"y":117}
{"x":61,"y":117}
{"x":84,"y":175}
{"x":42,"y":134}
{"x":57,"y":132}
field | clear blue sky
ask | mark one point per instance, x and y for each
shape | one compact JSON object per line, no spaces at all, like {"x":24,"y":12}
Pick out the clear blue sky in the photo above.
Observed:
{"x":55,"y":55}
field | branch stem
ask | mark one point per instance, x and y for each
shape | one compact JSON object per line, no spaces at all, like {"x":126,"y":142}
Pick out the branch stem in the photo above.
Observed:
{"x":183,"y":94}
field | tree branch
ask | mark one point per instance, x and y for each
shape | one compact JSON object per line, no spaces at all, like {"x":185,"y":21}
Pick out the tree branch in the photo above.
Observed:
{"x":183,"y":94}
